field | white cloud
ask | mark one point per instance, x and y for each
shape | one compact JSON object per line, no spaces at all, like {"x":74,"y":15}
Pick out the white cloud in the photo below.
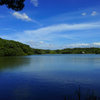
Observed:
{"x":45,"y":45}
{"x":77,"y":45}
{"x":41,"y":42}
{"x":81,"y":44}
{"x":84,"y":14}
{"x":94,"y":13}
{"x":25,"y":17}
{"x":63,"y":27}
{"x":96,"y":43}
{"x":57,"y":36}
{"x":35,"y":3}
{"x":22,"y":16}
{"x":41,"y":45}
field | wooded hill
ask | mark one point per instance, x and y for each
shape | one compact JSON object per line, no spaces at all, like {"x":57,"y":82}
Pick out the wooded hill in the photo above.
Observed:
{"x":14,"y":48}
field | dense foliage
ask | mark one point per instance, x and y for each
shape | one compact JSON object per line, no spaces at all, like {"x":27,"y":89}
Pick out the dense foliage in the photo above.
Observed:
{"x":16,"y":5}
{"x":91,"y":50}
{"x":14,"y":48}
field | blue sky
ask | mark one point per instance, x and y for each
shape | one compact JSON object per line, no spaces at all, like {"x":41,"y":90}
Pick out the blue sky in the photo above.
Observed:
{"x":53,"y":24}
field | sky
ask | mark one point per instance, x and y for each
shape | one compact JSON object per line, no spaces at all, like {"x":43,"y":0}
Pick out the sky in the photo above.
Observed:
{"x":53,"y":24}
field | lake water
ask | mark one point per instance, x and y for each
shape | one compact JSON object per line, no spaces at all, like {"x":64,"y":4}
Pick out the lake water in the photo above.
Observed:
{"x":48,"y":77}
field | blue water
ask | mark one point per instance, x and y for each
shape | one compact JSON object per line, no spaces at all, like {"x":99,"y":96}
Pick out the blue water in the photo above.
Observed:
{"x":48,"y":77}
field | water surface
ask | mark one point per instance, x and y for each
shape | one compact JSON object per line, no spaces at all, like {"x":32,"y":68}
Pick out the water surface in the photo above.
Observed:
{"x":48,"y":77}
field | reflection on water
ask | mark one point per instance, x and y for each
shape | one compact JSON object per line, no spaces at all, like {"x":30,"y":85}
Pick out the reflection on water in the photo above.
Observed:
{"x":47,"y":77}
{"x":13,"y":62}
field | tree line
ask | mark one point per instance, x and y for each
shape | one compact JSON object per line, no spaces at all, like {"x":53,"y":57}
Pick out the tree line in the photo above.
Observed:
{"x":14,"y":48}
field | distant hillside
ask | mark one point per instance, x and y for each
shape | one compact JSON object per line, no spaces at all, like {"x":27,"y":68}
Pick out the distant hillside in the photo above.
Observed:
{"x":91,"y":50}
{"x":14,"y":48}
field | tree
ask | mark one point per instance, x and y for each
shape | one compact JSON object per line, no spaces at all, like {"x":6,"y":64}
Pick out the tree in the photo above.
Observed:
{"x":16,"y":5}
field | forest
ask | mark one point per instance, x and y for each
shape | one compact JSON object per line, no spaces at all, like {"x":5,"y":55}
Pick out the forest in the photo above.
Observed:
{"x":14,"y":48}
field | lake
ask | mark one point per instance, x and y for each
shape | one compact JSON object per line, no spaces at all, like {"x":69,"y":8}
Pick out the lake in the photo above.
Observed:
{"x":48,"y":77}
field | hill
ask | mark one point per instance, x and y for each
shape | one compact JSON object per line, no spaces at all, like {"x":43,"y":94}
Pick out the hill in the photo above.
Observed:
{"x":14,"y":48}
